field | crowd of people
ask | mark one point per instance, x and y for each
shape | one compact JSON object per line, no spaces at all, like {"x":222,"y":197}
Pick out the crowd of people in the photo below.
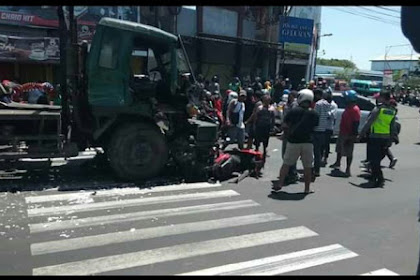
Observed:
{"x":248,"y":110}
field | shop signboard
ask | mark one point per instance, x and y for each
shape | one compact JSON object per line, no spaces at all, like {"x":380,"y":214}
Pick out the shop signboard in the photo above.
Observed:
{"x":46,"y":16}
{"x":39,"y":49}
{"x":46,"y":49}
{"x":296,"y":34}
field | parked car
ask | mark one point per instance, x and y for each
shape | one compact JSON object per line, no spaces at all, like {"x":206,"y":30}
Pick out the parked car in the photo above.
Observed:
{"x":365,"y":104}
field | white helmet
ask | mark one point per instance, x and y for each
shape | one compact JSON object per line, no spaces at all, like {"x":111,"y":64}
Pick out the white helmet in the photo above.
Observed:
{"x":233,"y":95}
{"x":305,"y":95}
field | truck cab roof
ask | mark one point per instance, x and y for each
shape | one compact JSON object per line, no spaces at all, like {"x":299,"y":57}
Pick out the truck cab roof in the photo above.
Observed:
{"x":139,"y":28}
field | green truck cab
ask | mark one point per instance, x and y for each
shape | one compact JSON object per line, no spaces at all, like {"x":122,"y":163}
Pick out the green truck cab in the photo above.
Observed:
{"x":129,"y":95}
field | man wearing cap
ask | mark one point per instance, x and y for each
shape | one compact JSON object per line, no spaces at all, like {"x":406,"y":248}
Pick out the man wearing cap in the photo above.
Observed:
{"x":381,"y":128}
{"x":235,"y":120}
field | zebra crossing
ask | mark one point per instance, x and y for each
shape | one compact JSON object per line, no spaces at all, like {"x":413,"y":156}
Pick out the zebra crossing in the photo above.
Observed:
{"x":122,"y":223}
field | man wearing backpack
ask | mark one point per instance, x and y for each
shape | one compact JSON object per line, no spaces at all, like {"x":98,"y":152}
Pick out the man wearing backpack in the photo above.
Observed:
{"x":235,"y":120}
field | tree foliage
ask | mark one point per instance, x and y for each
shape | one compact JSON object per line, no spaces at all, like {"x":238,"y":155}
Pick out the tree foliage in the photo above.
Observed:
{"x":345,"y":75}
{"x":336,"y":62}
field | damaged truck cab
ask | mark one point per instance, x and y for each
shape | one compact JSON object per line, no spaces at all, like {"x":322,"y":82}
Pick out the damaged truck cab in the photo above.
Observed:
{"x":129,"y":95}
{"x":138,"y":102}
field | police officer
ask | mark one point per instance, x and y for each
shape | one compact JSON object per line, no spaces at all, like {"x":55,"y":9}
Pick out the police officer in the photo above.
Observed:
{"x":381,"y":128}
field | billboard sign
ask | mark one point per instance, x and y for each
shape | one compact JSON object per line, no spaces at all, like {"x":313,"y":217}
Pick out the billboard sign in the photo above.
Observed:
{"x":40,"y":49}
{"x":296,"y":34}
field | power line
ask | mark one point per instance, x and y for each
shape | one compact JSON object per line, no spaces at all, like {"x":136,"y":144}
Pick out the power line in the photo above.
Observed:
{"x":387,"y":9}
{"x":376,"y":17}
{"x":380,"y":12}
{"x":368,"y":17}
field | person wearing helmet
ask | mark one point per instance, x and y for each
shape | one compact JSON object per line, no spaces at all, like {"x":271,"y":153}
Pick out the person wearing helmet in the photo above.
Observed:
{"x":298,"y":125}
{"x":382,"y":129}
{"x":349,"y":127}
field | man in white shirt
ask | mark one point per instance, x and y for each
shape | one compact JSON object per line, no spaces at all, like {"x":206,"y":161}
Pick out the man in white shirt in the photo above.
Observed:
{"x":235,"y":120}
{"x":330,"y":124}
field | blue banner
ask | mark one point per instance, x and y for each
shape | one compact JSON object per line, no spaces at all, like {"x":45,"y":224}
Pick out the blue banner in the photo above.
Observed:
{"x":296,"y":30}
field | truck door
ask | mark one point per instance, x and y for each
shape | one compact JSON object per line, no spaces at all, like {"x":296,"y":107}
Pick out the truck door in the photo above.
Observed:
{"x":108,"y":85}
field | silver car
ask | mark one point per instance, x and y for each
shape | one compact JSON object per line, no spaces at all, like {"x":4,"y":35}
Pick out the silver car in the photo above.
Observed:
{"x":365,"y":104}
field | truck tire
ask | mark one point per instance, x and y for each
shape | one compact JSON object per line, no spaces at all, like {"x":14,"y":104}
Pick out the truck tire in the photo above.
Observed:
{"x":137,"y":151}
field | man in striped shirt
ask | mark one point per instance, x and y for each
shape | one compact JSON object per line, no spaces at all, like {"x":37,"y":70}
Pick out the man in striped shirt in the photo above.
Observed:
{"x":322,"y":107}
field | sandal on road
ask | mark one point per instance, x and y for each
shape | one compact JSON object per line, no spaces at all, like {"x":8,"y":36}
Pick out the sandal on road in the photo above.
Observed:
{"x":311,"y":191}
{"x":275,"y":190}
{"x":335,"y":166}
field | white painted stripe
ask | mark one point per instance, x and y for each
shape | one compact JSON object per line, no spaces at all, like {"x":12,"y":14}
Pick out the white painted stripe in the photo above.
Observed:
{"x":282,"y":263}
{"x":171,"y":253}
{"x":143,"y":215}
{"x":147,"y":233}
{"x":128,"y":202}
{"x":126,"y":191}
{"x":382,"y":271}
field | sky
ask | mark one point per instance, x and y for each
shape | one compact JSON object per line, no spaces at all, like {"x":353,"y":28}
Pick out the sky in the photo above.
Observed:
{"x":358,"y":38}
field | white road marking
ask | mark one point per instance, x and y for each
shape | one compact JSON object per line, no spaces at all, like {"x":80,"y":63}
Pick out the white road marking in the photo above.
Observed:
{"x":382,"y":271}
{"x":171,"y":253}
{"x":281,"y":263}
{"x":143,"y":215}
{"x":125,"y":191}
{"x":147,"y":233}
{"x":129,"y":202}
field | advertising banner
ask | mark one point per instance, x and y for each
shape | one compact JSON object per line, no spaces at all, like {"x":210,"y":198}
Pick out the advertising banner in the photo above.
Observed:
{"x":296,"y":34}
{"x":41,"y":49}
{"x":47,"y":15}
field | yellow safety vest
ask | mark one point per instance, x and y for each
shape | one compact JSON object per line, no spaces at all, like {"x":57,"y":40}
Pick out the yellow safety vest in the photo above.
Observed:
{"x":382,"y":125}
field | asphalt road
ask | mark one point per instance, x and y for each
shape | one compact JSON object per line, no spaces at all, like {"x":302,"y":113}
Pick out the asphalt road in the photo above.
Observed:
{"x":77,"y":220}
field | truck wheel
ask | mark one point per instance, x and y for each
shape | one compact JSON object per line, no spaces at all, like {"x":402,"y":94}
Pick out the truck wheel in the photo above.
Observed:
{"x":137,"y":151}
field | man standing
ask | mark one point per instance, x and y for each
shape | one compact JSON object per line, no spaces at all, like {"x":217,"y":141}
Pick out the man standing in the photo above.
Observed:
{"x":381,"y":125}
{"x":298,"y":125}
{"x":302,"y":84}
{"x":214,"y":85}
{"x":291,"y":103}
{"x":250,"y":108}
{"x":235,"y":120}
{"x":257,"y":85}
{"x":288,"y":84}
{"x":235,"y":85}
{"x":330,"y":126}
{"x":349,"y":128}
{"x":278,"y":91}
{"x":263,"y":123}
{"x":322,"y":107}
